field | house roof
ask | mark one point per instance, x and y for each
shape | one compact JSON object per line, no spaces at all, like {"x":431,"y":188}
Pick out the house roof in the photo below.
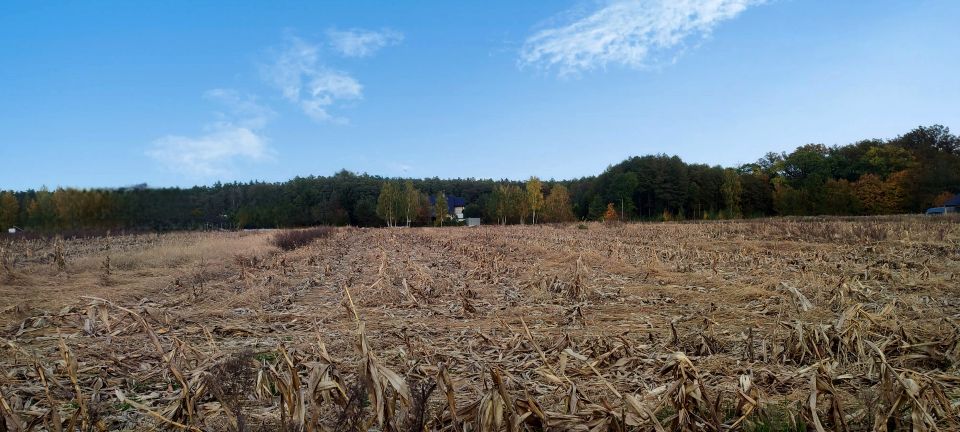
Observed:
{"x":452,"y":202}
{"x":953,"y":202}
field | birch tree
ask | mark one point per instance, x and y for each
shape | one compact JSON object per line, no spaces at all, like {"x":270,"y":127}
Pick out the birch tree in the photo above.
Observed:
{"x":441,"y":208}
{"x":534,"y":196}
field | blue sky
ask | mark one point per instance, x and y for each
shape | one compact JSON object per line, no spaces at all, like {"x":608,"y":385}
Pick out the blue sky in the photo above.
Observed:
{"x":103,"y":94}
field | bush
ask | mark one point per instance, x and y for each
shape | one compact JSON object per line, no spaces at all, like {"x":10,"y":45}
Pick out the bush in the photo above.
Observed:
{"x":292,"y":239}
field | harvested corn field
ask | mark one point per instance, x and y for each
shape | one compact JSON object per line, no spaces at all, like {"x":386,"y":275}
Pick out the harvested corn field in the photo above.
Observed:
{"x":784,"y":324}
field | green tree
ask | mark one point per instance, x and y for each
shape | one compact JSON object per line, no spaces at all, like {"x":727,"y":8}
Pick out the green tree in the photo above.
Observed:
{"x":390,"y":203}
{"x":508,"y":202}
{"x":441,"y":208}
{"x":411,"y":201}
{"x":519,"y":206}
{"x":9,"y":210}
{"x":40,"y":211}
{"x":497,"y":204}
{"x":839,"y":198}
{"x":596,"y":208}
{"x":622,"y":188}
{"x":887,"y":159}
{"x":732,"y":190}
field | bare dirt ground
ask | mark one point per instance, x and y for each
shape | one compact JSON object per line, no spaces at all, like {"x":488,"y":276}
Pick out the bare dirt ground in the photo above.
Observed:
{"x":797,"y":324}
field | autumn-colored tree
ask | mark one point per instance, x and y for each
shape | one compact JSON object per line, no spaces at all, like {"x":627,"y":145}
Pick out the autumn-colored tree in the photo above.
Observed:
{"x":535,"y":196}
{"x":9,"y":210}
{"x":942,"y":199}
{"x":869,"y":191}
{"x":611,"y":214}
{"x":557,"y":206}
{"x":895,"y":190}
{"x":881,"y":197}
{"x":441,"y":208}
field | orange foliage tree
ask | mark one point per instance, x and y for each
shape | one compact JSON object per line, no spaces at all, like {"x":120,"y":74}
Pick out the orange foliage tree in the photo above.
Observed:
{"x":611,"y":214}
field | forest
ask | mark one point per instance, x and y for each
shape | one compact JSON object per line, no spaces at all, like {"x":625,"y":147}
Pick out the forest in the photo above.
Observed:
{"x":905,"y":174}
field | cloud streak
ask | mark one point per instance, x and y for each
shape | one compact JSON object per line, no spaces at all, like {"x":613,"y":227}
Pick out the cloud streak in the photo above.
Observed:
{"x":630,"y":33}
{"x":234,"y":137}
{"x":306,"y":82}
{"x":362,"y":43}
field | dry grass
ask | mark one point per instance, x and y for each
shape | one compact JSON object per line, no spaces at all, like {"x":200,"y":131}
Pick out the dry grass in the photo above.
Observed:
{"x":796,"y":324}
{"x":292,"y":239}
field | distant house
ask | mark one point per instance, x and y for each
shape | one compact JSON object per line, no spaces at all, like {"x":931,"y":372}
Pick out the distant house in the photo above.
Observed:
{"x":455,"y":207}
{"x":951,"y":206}
{"x":953,"y":202}
{"x":473,"y":222}
{"x":13,"y":230}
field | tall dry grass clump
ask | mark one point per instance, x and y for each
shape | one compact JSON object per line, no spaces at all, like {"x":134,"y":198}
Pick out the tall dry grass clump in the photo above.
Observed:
{"x":293,"y":239}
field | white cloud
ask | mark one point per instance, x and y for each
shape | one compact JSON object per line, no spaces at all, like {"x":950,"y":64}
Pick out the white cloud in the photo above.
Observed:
{"x":631,"y":33}
{"x":234,"y":137}
{"x":324,"y":89}
{"x":362,"y":43}
{"x":303,"y":80}
{"x":211,"y":153}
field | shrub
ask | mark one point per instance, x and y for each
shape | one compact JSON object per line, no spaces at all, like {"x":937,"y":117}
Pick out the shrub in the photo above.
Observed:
{"x":292,"y":239}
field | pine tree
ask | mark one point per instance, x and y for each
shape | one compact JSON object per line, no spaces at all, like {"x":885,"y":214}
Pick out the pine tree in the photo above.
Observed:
{"x":9,"y":210}
{"x":596,"y":209}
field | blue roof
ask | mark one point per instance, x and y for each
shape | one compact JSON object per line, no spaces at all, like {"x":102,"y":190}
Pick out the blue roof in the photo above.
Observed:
{"x":952,"y":202}
{"x":452,"y":202}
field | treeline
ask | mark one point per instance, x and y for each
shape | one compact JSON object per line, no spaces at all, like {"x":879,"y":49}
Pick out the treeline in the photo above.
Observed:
{"x":905,"y":174}
{"x":400,"y":202}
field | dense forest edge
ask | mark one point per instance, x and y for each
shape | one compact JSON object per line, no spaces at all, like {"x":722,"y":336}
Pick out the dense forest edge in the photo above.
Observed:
{"x":906,"y":174}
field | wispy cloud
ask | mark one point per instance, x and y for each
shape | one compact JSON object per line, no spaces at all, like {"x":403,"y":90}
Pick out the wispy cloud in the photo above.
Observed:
{"x":305,"y":81}
{"x":631,"y":33}
{"x":234,"y":137}
{"x":324,"y":88}
{"x":362,"y":43}
{"x":241,"y":108}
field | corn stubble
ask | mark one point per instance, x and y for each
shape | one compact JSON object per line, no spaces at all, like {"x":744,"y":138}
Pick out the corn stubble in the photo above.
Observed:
{"x":796,"y":324}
